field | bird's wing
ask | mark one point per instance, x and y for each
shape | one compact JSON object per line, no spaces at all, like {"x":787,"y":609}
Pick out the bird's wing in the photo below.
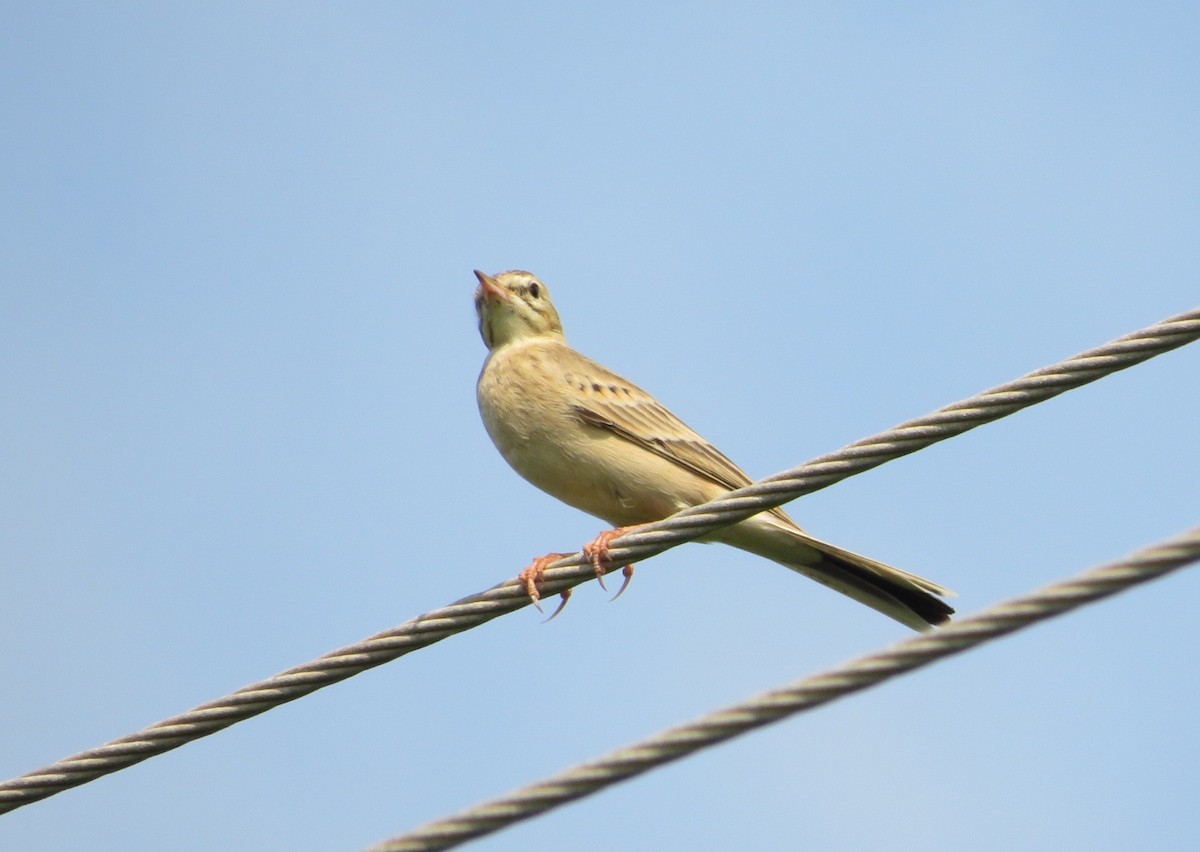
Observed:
{"x":608,"y":401}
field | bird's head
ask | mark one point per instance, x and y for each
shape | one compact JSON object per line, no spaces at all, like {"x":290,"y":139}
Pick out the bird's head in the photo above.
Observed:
{"x":514,"y":306}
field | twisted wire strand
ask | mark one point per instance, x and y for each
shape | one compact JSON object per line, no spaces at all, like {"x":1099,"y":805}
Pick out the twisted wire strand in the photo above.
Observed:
{"x":908,"y":437}
{"x":806,"y":694}
{"x":508,"y":596}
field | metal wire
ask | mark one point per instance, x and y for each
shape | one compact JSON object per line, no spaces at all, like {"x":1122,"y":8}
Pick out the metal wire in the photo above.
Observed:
{"x":806,"y":694}
{"x":571,"y":571}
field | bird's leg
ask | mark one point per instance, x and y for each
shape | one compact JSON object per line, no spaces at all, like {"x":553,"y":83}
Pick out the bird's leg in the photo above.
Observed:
{"x":597,"y":551}
{"x":531,"y":576}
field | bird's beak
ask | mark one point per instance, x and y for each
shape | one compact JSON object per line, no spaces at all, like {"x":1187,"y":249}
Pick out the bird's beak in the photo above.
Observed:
{"x":489,"y":287}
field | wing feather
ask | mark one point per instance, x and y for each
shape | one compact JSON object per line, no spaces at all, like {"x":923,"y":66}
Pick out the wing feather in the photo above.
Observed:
{"x":608,"y":401}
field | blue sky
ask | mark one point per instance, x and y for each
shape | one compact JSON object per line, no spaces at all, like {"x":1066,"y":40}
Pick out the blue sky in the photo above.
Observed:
{"x":238,"y":427}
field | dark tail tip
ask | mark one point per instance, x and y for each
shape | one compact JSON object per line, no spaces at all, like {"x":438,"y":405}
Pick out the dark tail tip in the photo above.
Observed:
{"x":928,"y":607}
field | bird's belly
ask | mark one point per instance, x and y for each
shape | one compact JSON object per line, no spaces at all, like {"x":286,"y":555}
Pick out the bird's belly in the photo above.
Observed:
{"x":618,"y":482}
{"x":593,"y":471}
{"x":547,"y":443}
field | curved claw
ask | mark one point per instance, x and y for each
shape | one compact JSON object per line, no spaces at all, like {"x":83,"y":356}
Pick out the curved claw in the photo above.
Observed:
{"x":531,"y":590}
{"x":531,"y":576}
{"x":627,"y":573}
{"x":597,"y":551}
{"x":566,"y":596}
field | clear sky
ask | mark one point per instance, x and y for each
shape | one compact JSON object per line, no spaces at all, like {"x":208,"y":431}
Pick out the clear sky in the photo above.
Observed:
{"x":238,"y":424}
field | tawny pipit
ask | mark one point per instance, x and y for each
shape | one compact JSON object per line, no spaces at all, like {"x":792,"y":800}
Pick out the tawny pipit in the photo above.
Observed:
{"x":601,"y":444}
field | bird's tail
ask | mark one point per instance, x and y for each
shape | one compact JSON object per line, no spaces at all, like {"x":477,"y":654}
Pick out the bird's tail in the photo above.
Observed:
{"x":911,"y":600}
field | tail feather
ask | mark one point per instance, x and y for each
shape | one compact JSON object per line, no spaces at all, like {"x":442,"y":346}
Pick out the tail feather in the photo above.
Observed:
{"x":911,"y":600}
{"x":895,"y":596}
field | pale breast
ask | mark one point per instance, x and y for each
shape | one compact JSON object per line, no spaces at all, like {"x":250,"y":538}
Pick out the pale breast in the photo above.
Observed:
{"x":527,"y":400}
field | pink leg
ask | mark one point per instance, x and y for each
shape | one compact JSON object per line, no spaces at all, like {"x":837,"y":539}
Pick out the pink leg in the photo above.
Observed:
{"x":531,"y":576}
{"x":597,"y":551}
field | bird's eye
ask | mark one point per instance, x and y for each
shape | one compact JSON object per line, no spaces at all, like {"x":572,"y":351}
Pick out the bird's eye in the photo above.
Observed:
{"x":535,"y":290}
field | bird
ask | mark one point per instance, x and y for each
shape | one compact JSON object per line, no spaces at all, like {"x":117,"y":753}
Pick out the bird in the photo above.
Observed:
{"x":599,"y":443}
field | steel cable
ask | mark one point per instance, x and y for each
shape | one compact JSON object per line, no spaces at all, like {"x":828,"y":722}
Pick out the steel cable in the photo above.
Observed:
{"x":717,"y":727}
{"x":654,"y":538}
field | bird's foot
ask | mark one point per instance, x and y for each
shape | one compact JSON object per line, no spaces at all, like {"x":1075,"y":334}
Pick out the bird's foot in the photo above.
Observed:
{"x":597,"y":551}
{"x":531,"y":576}
{"x":627,"y":573}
